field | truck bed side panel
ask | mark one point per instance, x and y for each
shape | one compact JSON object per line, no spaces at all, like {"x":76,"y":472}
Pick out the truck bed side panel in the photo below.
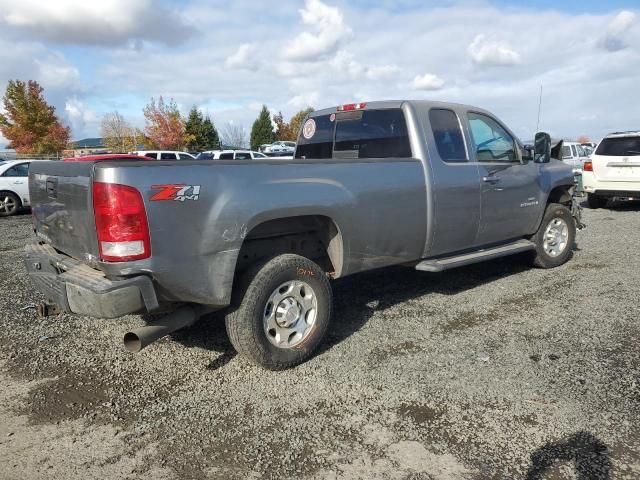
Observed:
{"x":378,"y":206}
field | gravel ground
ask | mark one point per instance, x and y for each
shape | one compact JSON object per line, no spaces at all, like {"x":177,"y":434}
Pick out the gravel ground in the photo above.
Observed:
{"x":490,"y":371}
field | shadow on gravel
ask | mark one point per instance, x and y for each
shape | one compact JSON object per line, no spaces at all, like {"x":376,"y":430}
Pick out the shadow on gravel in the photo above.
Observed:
{"x":588,"y":454}
{"x":358,"y":297}
{"x":618,"y":206}
{"x":208,"y":333}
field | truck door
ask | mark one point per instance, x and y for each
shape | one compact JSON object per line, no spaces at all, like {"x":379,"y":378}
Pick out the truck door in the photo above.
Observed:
{"x":510,"y":195}
{"x":455,"y":184}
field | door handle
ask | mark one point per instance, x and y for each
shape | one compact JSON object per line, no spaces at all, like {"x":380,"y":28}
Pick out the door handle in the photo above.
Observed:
{"x":491,"y":180}
{"x":18,"y":182}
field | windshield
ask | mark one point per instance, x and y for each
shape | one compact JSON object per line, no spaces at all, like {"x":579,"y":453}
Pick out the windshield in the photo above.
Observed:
{"x":619,"y":147}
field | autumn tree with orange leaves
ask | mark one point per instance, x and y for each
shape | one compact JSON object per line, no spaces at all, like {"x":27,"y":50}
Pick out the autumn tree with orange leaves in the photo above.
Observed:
{"x":29,"y":122}
{"x":164,"y":126}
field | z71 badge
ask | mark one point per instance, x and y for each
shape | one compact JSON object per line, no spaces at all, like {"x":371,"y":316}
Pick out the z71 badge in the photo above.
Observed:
{"x":177,"y":192}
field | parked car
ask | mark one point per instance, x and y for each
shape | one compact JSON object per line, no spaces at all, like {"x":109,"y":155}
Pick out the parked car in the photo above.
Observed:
{"x":14,"y":186}
{"x":164,"y":154}
{"x":428,"y":184}
{"x":230,"y":155}
{"x":280,"y":147}
{"x":613,"y":170}
{"x":574,"y":155}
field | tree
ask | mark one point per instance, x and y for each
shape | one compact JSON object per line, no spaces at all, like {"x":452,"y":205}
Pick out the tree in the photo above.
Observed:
{"x":200,"y":133}
{"x":164,"y":124}
{"x":118,"y":135}
{"x":295,"y":124}
{"x":283,"y":129}
{"x":29,"y":122}
{"x":262,"y":130}
{"x":210,"y":137}
{"x":234,"y":135}
{"x":583,"y":139}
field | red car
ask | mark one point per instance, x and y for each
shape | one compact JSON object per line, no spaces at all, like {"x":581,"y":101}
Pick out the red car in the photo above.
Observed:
{"x":106,"y":157}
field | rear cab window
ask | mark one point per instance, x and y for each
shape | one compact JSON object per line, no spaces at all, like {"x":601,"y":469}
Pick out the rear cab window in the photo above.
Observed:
{"x":447,"y":133}
{"x":619,"y":147}
{"x":356,"y":134}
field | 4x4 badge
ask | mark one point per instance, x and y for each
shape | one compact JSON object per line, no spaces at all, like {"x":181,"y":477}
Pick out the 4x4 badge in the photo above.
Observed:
{"x":176,"y":192}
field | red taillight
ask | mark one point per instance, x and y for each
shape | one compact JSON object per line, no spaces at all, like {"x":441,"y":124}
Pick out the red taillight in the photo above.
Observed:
{"x":351,"y":106}
{"x":121,"y":223}
{"x":587,"y":167}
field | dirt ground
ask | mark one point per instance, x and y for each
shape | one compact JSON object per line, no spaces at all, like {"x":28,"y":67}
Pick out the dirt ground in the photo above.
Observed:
{"x":486,"y":372}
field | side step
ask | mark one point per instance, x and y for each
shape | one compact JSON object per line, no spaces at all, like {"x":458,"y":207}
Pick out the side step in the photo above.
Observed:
{"x":446,"y":263}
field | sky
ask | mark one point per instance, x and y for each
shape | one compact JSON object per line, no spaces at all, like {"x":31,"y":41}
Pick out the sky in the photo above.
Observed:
{"x":230,"y":58}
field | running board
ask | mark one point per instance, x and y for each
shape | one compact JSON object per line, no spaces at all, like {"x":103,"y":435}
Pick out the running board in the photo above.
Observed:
{"x":446,"y":263}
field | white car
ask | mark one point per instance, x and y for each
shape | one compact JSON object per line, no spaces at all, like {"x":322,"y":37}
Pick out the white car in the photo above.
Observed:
{"x":613,"y":170}
{"x":164,"y":154}
{"x":282,"y":147}
{"x":14,"y":186}
{"x":230,"y":155}
{"x":574,"y":155}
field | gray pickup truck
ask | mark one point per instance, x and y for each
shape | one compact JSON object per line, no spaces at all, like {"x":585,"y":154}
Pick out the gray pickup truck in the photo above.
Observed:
{"x":429,"y":185}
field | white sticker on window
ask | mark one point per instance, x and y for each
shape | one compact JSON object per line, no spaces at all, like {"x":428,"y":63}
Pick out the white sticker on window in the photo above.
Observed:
{"x":309,"y":128}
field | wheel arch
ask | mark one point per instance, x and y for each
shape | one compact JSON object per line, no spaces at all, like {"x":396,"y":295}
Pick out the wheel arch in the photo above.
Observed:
{"x":314,"y":236}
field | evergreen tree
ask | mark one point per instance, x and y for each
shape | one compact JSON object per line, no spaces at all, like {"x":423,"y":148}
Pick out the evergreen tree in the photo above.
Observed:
{"x":262,"y":130}
{"x":210,"y":137}
{"x":193,"y":130}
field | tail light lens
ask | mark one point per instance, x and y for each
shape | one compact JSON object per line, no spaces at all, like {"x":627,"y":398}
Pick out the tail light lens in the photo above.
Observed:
{"x":121,"y":223}
{"x":587,"y":167}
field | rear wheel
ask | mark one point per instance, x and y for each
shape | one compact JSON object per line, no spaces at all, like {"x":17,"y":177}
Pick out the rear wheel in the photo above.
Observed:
{"x":280,"y":312}
{"x":9,"y":204}
{"x":555,"y":237}
{"x":595,"y":201}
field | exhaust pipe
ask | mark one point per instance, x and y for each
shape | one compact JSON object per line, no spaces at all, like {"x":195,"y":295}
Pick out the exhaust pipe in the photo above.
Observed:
{"x":137,"y":339}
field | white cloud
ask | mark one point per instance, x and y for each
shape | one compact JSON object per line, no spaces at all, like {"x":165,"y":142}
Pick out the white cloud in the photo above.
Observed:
{"x":80,"y":116}
{"x":304,"y":100}
{"x":104,"y":22}
{"x":243,"y":58}
{"x":345,"y":64}
{"x":614,"y":39}
{"x":328,"y":31}
{"x":485,"y":51}
{"x":427,"y":81}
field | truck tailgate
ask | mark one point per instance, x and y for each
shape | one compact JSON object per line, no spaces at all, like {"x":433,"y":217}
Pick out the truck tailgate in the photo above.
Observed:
{"x":62,"y":207}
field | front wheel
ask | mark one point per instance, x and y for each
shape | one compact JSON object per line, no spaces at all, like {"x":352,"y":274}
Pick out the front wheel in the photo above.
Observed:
{"x":280,"y":312}
{"x":9,"y":204}
{"x":555,"y":237}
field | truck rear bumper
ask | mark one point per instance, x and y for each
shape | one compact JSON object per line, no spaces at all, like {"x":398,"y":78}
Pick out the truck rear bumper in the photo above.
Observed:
{"x":77,"y":288}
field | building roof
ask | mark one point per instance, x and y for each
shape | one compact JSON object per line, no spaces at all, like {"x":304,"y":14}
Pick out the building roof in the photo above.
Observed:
{"x":89,"y":143}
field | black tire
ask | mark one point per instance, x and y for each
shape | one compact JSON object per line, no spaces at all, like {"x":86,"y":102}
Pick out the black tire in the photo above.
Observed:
{"x":595,"y":201}
{"x":245,"y":318}
{"x":542,"y":258}
{"x":9,"y":204}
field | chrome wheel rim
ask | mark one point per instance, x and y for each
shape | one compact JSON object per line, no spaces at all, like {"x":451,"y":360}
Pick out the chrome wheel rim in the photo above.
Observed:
{"x":556,"y":237}
{"x":7,"y":204}
{"x":290,"y":314}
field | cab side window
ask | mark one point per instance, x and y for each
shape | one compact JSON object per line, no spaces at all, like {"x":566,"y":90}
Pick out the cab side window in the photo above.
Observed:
{"x":226,"y":156}
{"x":448,"y":135}
{"x":492,"y":142}
{"x":21,"y":170}
{"x":167,"y":156}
